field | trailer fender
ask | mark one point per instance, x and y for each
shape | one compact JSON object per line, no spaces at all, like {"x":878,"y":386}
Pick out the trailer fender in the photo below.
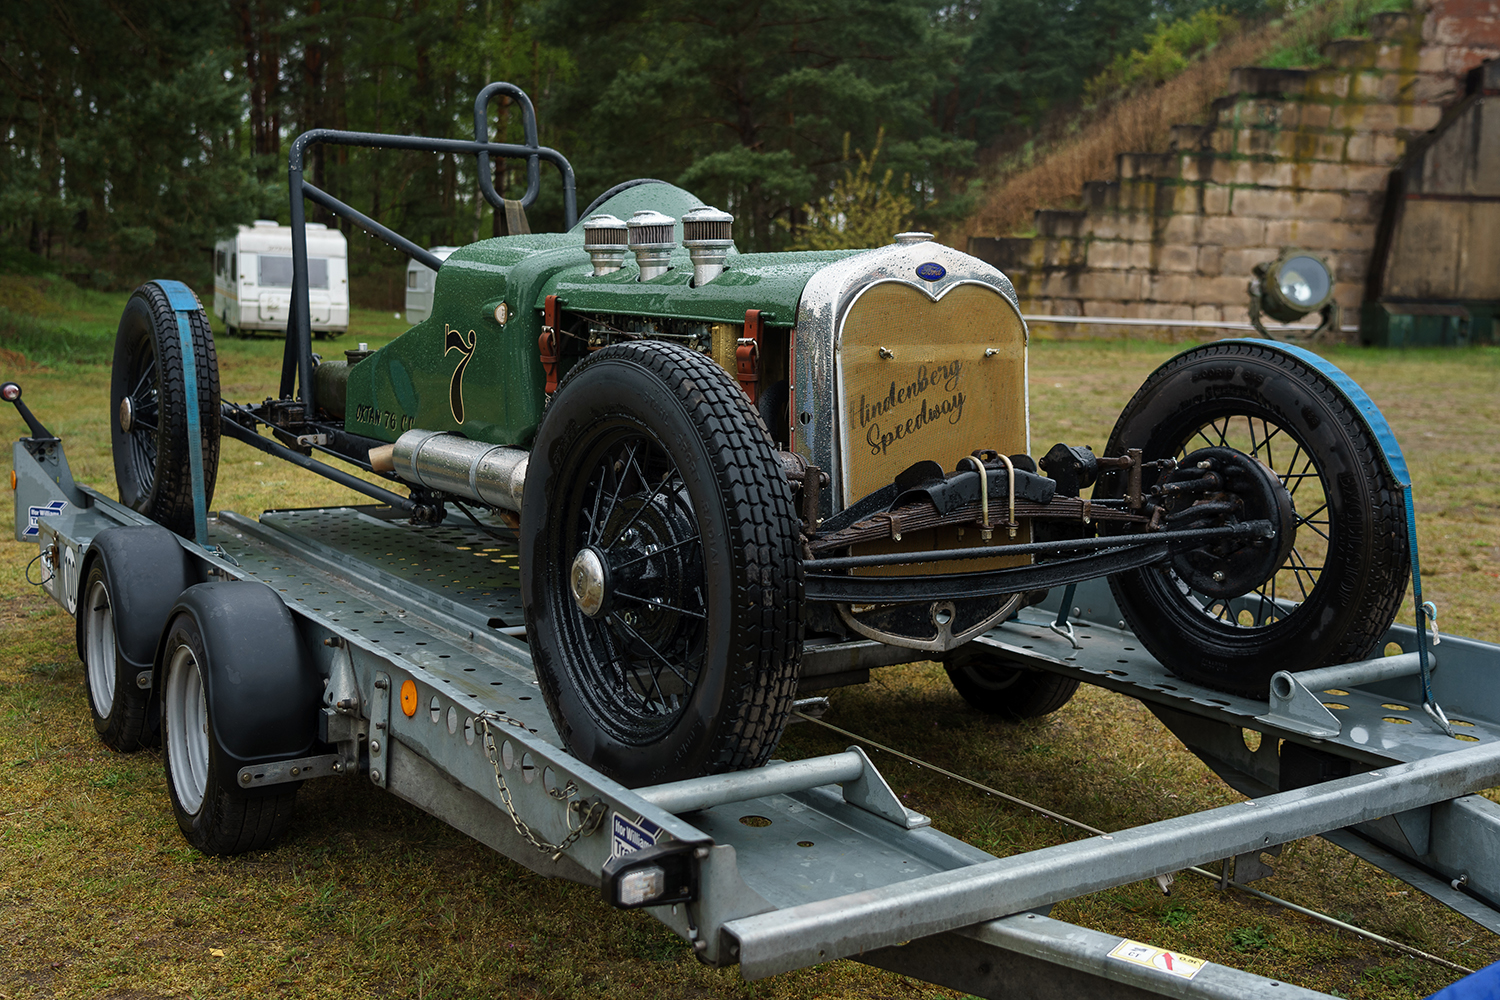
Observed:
{"x":146,"y":570}
{"x":261,"y":686}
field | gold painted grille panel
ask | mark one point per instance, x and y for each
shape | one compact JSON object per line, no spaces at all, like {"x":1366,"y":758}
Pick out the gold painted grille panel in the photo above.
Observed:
{"x":939,"y":397}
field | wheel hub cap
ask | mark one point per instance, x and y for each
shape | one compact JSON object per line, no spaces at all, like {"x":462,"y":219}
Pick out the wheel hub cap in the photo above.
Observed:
{"x":587,"y":581}
{"x":127,"y":415}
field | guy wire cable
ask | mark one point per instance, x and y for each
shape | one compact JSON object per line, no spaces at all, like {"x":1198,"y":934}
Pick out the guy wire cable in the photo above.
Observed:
{"x":1069,"y":821}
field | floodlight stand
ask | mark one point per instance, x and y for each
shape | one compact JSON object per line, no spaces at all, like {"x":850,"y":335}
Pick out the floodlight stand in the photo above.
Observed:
{"x":1331,"y":324}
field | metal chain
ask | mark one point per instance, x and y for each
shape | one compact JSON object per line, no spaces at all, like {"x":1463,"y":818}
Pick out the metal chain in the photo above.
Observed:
{"x":589,"y":815}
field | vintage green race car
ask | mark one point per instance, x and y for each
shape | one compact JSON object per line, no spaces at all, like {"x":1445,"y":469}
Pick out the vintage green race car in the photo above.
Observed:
{"x":712,"y":461}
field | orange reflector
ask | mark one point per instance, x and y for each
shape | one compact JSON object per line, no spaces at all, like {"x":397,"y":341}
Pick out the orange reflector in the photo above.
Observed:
{"x":12,"y":480}
{"x":409,"y":698}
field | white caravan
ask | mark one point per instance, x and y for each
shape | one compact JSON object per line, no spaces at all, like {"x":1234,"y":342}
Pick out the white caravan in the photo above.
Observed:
{"x":420,"y":282}
{"x":253,"y":279}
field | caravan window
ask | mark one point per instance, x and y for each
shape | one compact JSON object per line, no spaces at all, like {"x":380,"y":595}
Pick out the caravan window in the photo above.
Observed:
{"x":221,"y":260}
{"x":275,"y":271}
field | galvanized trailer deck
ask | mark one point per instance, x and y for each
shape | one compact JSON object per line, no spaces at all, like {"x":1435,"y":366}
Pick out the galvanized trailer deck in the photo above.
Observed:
{"x":430,"y":695}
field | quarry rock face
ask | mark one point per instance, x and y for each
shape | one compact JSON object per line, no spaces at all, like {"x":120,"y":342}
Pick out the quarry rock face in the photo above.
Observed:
{"x":1299,"y":158}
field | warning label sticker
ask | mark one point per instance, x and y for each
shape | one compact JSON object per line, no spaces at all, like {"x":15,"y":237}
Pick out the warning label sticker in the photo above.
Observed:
{"x":627,"y":836}
{"x":1171,"y":962}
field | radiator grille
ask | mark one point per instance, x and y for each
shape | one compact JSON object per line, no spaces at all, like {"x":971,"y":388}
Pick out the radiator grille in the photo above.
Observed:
{"x":936,"y":397}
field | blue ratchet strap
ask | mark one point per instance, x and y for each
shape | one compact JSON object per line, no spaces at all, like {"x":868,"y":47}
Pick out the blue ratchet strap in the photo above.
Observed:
{"x":1395,"y":461}
{"x":1062,"y":626}
{"x":184,"y":303}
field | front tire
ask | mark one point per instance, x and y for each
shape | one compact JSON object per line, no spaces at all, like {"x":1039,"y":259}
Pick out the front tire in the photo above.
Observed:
{"x":1342,"y":582}
{"x":148,"y":409}
{"x":654,"y":499}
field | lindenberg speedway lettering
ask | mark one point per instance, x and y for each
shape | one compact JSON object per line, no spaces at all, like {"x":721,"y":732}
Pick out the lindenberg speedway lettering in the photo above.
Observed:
{"x":934,"y":394}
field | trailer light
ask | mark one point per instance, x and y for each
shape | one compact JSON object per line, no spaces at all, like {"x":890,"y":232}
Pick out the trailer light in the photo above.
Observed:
{"x":653,"y":876}
{"x":1286,"y":289}
{"x":641,"y":886}
{"x":10,"y":392}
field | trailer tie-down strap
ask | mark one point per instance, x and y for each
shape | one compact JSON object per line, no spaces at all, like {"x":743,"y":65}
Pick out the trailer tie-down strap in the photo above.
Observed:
{"x":184,"y":303}
{"x":1395,"y":461}
{"x":1062,"y":626}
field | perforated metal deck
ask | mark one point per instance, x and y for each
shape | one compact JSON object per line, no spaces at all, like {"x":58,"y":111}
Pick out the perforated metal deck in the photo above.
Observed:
{"x":454,"y":564}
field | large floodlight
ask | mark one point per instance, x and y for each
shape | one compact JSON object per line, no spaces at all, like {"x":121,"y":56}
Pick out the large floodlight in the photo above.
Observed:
{"x":1291,"y":286}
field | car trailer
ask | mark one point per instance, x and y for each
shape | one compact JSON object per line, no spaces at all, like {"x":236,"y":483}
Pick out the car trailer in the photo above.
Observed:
{"x":428,"y":693}
{"x":681,"y":423}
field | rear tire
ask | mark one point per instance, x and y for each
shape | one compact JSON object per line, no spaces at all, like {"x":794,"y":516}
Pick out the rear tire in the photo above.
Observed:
{"x":1343,"y":580}
{"x":120,"y":707}
{"x":213,"y":812}
{"x":996,"y":686}
{"x":148,"y":409}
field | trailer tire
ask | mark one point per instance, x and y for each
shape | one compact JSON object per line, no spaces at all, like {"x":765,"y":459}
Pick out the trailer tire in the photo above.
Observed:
{"x":132,"y":576}
{"x":996,"y":686}
{"x":121,"y":708}
{"x":237,"y":689}
{"x":1348,"y":566}
{"x":148,"y":411}
{"x":689,"y":664}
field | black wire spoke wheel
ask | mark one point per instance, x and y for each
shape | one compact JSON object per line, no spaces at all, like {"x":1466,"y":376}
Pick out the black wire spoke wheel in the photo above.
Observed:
{"x":148,"y":409}
{"x":1341,"y":580}
{"x":646,"y":650}
{"x":661,"y":568}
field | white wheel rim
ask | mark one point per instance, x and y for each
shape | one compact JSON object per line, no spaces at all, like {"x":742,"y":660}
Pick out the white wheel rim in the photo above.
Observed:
{"x":187,"y":730}
{"x":99,"y":648}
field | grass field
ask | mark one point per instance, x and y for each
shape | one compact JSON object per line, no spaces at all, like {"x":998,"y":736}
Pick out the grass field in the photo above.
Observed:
{"x":100,"y":897}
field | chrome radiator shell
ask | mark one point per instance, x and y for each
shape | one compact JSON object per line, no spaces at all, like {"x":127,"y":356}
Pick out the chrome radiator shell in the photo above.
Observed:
{"x":820,"y":428}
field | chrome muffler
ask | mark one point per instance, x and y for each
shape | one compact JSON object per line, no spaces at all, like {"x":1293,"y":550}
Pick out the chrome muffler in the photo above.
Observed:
{"x":447,"y":463}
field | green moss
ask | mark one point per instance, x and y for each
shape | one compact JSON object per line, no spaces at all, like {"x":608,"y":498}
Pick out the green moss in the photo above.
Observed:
{"x":1306,"y":37}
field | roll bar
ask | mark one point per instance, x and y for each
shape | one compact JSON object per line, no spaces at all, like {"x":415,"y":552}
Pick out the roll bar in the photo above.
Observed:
{"x":297,"y":363}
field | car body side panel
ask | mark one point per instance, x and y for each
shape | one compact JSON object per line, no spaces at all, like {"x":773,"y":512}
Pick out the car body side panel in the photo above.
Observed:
{"x":416,"y":380}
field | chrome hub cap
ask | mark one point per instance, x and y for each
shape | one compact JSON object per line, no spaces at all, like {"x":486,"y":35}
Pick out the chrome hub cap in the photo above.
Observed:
{"x":127,"y":414}
{"x":587,"y":581}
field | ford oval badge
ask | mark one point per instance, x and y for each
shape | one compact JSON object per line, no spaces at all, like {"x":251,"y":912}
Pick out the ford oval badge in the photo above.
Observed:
{"x":930,"y":271}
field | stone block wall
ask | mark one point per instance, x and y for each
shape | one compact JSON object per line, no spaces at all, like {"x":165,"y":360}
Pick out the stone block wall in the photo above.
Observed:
{"x":1289,"y":158}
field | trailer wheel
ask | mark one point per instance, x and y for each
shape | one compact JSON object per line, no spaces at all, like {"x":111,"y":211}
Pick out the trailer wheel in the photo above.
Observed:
{"x":148,"y":411}
{"x":1340,"y":586}
{"x":121,"y":708}
{"x":214,"y":813}
{"x":662,"y":578}
{"x":994,"y":685}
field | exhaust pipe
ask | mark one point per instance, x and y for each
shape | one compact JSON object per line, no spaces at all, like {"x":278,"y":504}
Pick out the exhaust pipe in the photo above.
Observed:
{"x":446,"y":463}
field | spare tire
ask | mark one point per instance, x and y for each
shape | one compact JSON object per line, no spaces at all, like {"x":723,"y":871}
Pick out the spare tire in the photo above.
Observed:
{"x":149,"y":408}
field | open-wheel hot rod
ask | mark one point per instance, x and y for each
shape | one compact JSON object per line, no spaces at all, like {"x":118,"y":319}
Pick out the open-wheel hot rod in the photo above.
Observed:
{"x":713,"y":460}
{"x":636,"y":494}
